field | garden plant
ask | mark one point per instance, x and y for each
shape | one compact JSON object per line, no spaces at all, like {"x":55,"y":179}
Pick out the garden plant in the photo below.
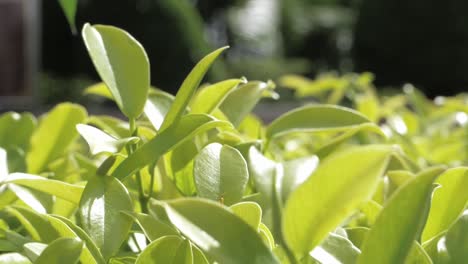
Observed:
{"x":353,"y":177}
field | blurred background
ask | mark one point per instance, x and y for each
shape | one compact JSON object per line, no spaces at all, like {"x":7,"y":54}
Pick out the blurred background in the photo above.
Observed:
{"x":423,"y":42}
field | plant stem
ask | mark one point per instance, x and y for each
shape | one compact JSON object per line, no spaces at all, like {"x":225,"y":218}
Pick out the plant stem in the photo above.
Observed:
{"x":141,"y":193}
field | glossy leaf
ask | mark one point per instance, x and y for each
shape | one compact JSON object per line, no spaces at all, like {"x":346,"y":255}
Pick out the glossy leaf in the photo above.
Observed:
{"x":199,"y":221}
{"x":336,"y":249}
{"x":220,"y":173}
{"x":54,"y":135}
{"x":151,"y":151}
{"x":34,"y":249}
{"x":242,"y":100}
{"x":100,"y":209}
{"x":406,"y":213}
{"x":162,"y":250}
{"x":152,"y":227}
{"x":156,"y":107}
{"x":250,"y":212}
{"x":315,"y":118}
{"x":307,"y":219}
{"x":457,"y":240}
{"x":210,"y":97}
{"x":188,"y":87}
{"x":66,"y":191}
{"x":90,"y":245}
{"x":13,"y":258}
{"x":122,"y":64}
{"x":448,"y":202}
{"x":296,"y":172}
{"x":62,"y":250}
{"x":98,"y":141}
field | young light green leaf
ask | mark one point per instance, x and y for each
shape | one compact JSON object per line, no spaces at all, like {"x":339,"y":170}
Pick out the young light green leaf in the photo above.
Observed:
{"x":90,"y":245}
{"x":13,"y":258}
{"x":100,"y":89}
{"x":295,"y":172}
{"x":100,"y":209}
{"x":69,"y":9}
{"x":198,"y":256}
{"x":220,"y":173}
{"x":336,"y":249}
{"x":199,"y":220}
{"x":54,"y":135}
{"x":152,"y":227}
{"x":64,"y":190}
{"x":34,"y":249}
{"x":448,"y":202}
{"x":210,"y":97}
{"x":188,"y":87}
{"x":250,"y":212}
{"x":162,"y":250}
{"x":3,"y":167}
{"x":457,"y":240}
{"x":62,"y":250}
{"x":307,"y":218}
{"x":184,"y":254}
{"x":417,"y":255}
{"x":99,"y":141}
{"x":122,"y":64}
{"x":189,"y":126}
{"x":156,"y":107}
{"x":316,"y":118}
{"x":240,"y":102}
{"x":406,"y":214}
{"x":16,"y":129}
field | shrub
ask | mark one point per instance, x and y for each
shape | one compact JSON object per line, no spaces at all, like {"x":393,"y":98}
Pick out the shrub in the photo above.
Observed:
{"x":198,"y":178}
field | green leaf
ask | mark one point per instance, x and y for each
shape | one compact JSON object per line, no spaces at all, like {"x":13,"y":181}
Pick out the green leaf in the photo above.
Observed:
{"x":13,"y":258}
{"x":100,"y":209}
{"x":69,"y":9}
{"x":122,"y":64}
{"x":357,"y":235}
{"x":448,"y":202}
{"x":307,"y":218}
{"x":250,"y":212}
{"x":54,"y":135}
{"x":220,"y":173}
{"x":152,"y":227}
{"x":417,"y":255}
{"x":100,"y":89}
{"x":66,"y":191}
{"x":184,"y":254}
{"x":3,"y":166}
{"x":90,"y":245}
{"x":336,"y":249}
{"x":406,"y":214}
{"x":316,"y":118}
{"x":16,"y":129}
{"x":62,"y":250}
{"x":98,"y":141}
{"x":33,"y":249}
{"x":189,"y":126}
{"x":204,"y":223}
{"x":156,"y":107}
{"x":35,"y":224}
{"x":242,"y":100}
{"x":188,"y":87}
{"x":457,"y":240}
{"x":295,"y":172}
{"x":210,"y":97}
{"x":198,"y":256}
{"x":436,"y":249}
{"x":162,"y":250}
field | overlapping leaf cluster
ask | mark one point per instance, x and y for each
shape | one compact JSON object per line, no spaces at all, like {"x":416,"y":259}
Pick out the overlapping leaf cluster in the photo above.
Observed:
{"x":197,"y":178}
